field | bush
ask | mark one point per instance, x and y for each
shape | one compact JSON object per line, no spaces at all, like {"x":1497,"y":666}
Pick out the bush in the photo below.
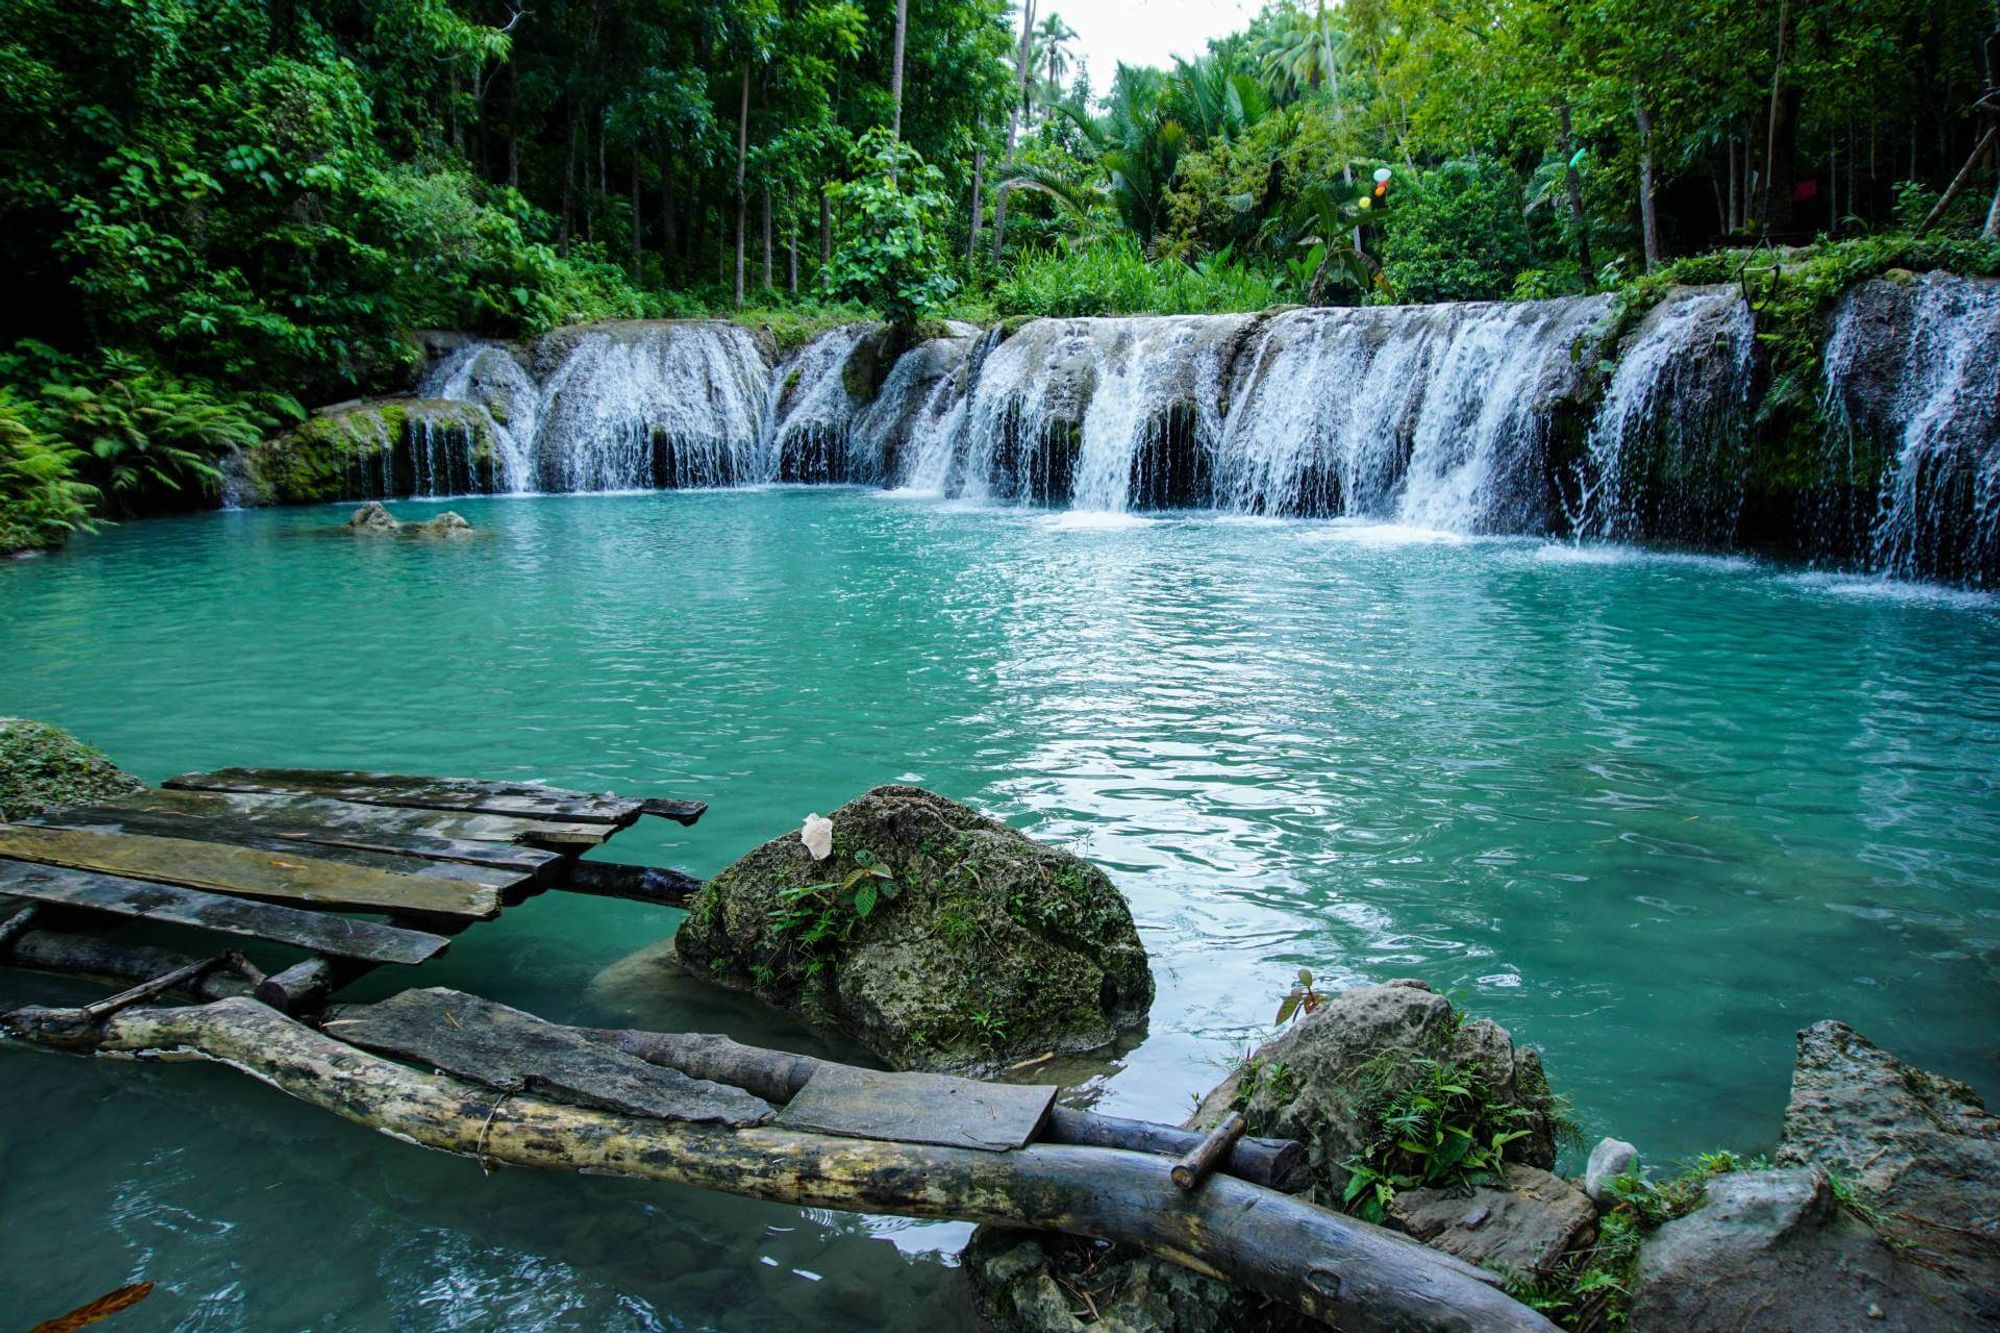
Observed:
{"x":892,"y":218}
{"x":1458,"y":235}
{"x":41,"y":501}
{"x":1114,"y":277}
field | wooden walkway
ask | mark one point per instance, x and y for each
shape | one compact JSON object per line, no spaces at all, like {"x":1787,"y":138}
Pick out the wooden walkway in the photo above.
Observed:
{"x":358,"y":869}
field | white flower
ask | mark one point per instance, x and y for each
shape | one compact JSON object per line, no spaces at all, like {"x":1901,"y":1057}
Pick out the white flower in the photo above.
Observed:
{"x":817,"y":835}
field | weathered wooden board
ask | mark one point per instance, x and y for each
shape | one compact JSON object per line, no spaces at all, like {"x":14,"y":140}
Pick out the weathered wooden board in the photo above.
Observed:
{"x":919,"y":1108}
{"x":657,"y":885}
{"x":681,"y":812}
{"x":443,"y":836}
{"x":248,"y":872}
{"x":498,"y":878}
{"x":319,"y":931}
{"x":500,"y":798}
{"x":509,"y":1049}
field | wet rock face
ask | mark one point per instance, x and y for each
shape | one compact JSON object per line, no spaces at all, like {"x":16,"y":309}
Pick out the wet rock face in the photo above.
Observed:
{"x":44,"y":768}
{"x":994,"y":948}
{"x":1920,"y":1149}
{"x":372,"y":517}
{"x":1774,"y":1250}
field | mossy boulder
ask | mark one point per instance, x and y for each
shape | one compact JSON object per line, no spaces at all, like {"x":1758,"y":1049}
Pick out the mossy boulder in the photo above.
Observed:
{"x":1328,"y":1080}
{"x":44,"y":768}
{"x":993,"y":948}
{"x":357,"y":450}
{"x":373,"y":519}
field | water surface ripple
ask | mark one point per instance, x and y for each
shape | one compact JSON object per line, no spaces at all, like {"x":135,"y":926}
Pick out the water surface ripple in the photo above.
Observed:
{"x":1652,"y":812}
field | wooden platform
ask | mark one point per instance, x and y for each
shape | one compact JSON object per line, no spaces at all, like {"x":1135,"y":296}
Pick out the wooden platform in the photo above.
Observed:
{"x":291,"y":856}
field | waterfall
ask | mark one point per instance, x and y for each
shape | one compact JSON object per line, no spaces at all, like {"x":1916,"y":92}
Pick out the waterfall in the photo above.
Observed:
{"x":1913,"y":374}
{"x":1668,"y":453}
{"x":812,"y":410}
{"x":632,"y":406}
{"x":1435,"y":416}
{"x":491,"y":379}
{"x":922,"y":406}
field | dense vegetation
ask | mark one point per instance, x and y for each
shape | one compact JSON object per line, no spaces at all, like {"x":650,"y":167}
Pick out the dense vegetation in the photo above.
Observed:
{"x":215,"y":211}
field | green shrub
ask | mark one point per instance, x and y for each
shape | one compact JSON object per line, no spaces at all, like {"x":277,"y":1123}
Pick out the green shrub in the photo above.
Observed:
{"x":41,"y":500}
{"x":1114,"y":277}
{"x":1458,"y":235}
{"x":892,"y":224}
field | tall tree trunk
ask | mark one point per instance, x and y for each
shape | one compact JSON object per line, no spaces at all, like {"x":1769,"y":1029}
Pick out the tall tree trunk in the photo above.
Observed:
{"x":792,"y":253}
{"x":513,"y":126}
{"x":825,"y":226}
{"x":742,"y":161}
{"x":1649,"y":219}
{"x":1573,"y":179}
{"x":767,"y":238}
{"x":896,"y":70}
{"x":1014,"y":123}
{"x":638,"y":226}
{"x":1734,"y":218}
{"x":978,"y":198}
{"x":1772,"y":180}
{"x":668,"y":238}
{"x":568,"y":224}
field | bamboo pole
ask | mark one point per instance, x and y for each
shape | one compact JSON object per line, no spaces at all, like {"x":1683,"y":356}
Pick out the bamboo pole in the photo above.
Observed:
{"x":1327,"y":1266}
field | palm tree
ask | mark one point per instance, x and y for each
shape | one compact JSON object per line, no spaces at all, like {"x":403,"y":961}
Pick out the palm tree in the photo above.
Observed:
{"x":1052,"y":56}
{"x":1304,"y":52}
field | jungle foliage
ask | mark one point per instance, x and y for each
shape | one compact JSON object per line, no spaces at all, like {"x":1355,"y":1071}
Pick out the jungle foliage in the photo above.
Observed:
{"x":215,"y":211}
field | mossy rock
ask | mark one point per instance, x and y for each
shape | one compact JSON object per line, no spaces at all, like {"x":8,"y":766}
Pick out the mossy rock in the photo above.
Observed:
{"x":44,"y":768}
{"x":995,"y":948}
{"x":323,"y":459}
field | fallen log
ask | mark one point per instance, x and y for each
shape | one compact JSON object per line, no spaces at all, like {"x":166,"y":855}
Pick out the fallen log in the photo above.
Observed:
{"x":778,"y":1076}
{"x":1195,"y":1166}
{"x":93,"y":956}
{"x":640,"y":884}
{"x":1332,"y":1268}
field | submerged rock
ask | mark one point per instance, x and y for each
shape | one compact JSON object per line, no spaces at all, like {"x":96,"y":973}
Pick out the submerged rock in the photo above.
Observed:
{"x":44,"y":768}
{"x":1326,"y":1081}
{"x":1919,"y":1149}
{"x":1774,"y":1250}
{"x":373,"y":518}
{"x":934,"y":936}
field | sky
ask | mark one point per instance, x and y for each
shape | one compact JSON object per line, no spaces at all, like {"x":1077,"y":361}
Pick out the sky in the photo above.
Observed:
{"x":1143,"y":32}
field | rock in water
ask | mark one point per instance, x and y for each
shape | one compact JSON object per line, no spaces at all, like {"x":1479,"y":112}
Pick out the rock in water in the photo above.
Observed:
{"x":981,"y":947}
{"x":1610,"y":1159}
{"x":1919,"y":1149}
{"x":1774,"y":1250}
{"x":1323,"y":1080}
{"x":44,"y":768}
{"x":372,"y":517}
{"x":447,"y":524}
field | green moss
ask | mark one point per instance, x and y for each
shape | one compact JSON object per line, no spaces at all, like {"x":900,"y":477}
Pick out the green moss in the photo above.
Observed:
{"x":44,"y":768}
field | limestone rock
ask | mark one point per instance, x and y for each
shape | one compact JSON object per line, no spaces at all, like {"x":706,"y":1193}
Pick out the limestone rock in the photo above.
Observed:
{"x":993,"y":949}
{"x":1773,"y":1250}
{"x":1318,"y":1081}
{"x":44,"y":768}
{"x":1918,"y":1148}
{"x":447,"y":524}
{"x":1313,"y":1081}
{"x":1610,"y":1159}
{"x":384,"y":446}
{"x":372,"y":517}
{"x":1522,"y":1225}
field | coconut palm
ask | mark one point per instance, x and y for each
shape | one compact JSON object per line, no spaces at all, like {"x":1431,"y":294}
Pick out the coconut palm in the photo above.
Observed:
{"x":1304,"y":52}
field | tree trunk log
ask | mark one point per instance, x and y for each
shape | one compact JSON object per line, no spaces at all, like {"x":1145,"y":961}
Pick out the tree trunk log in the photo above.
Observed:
{"x":1330,"y":1267}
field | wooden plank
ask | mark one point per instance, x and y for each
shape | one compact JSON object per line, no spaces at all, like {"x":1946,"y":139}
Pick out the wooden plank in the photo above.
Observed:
{"x":486,"y":840}
{"x":509,"y":1049}
{"x":919,"y":1108}
{"x":500,"y":879}
{"x":394,"y":789}
{"x":318,"y":931}
{"x":681,"y":812}
{"x":640,"y":884}
{"x":247,"y":872}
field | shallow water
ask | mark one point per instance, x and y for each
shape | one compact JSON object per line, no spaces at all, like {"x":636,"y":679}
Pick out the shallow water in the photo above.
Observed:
{"x":1652,"y":812}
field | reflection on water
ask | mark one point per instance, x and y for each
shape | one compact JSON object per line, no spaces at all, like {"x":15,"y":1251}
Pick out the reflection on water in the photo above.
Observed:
{"x":1653,"y":813}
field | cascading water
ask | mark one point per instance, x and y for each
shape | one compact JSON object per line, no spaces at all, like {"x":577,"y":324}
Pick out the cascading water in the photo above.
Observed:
{"x":491,"y":379}
{"x":1668,"y":452}
{"x":1913,"y":371}
{"x":812,"y":410}
{"x":634,"y":406}
{"x":1434,"y":416}
{"x":920,"y":410}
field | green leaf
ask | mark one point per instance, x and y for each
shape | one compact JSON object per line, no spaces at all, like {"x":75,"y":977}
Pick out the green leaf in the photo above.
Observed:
{"x":864,"y":900}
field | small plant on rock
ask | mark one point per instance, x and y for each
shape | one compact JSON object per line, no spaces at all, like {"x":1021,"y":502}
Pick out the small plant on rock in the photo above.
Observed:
{"x":1446,"y":1128}
{"x":817,"y":915}
{"x":1302,"y":999}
